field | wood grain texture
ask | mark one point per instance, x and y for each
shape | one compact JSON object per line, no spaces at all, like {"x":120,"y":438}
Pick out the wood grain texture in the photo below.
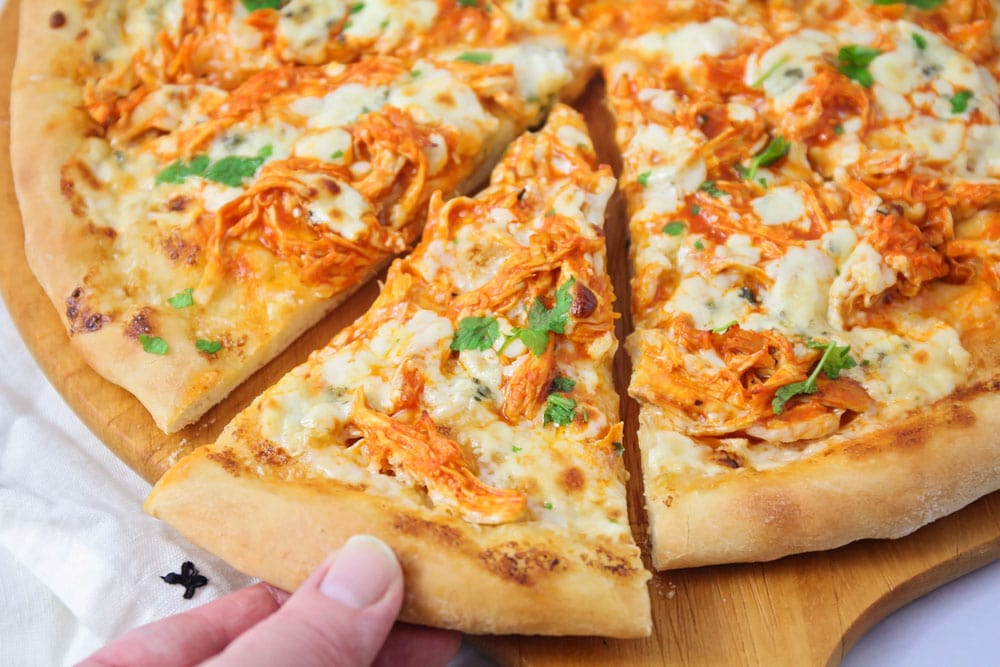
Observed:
{"x":801,"y":610}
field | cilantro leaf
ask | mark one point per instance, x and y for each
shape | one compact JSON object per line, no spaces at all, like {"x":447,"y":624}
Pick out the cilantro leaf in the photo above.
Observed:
{"x":835,"y":359}
{"x":476,"y":57}
{"x":920,"y":41}
{"x":919,"y":4}
{"x":559,"y":410}
{"x":711,"y":188}
{"x":209,"y":346}
{"x":182,"y":299}
{"x":643,"y":178}
{"x":356,"y":7}
{"x":178,"y":170}
{"x":542,"y":320}
{"x":674,"y":228}
{"x":853,"y":62}
{"x":535,"y":340}
{"x":230,"y":170}
{"x":475,"y":333}
{"x":153,"y":344}
{"x":233,"y":170}
{"x":960,"y":101}
{"x":254,"y":5}
{"x":555,"y":318}
{"x":563,"y":384}
{"x":769,"y":72}
{"x":776,"y":149}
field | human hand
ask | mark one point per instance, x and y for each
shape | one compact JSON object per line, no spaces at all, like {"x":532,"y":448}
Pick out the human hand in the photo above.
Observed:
{"x":343,"y":614}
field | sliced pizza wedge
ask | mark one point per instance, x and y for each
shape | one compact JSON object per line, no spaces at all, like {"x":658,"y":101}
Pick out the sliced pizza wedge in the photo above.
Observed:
{"x":814,"y":217}
{"x":191,"y":218}
{"x":468,"y":419}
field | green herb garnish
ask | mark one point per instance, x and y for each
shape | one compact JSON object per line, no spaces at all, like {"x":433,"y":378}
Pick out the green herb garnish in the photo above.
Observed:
{"x":919,"y":4}
{"x":153,"y":344}
{"x":475,"y":333}
{"x":254,"y":5}
{"x":711,"y":188}
{"x":476,"y":57}
{"x":835,"y":359}
{"x":542,"y":320}
{"x":182,"y":299}
{"x":643,"y":178}
{"x":920,"y":41}
{"x":853,"y":62}
{"x":674,"y":228}
{"x":960,"y":101}
{"x":769,"y":72}
{"x":230,"y":170}
{"x":776,"y":149}
{"x":559,"y":410}
{"x":563,"y":384}
{"x":209,"y":346}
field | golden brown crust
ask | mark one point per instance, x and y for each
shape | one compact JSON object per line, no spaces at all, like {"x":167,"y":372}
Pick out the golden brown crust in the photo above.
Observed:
{"x":884,"y":484}
{"x":176,"y":388}
{"x":515,"y":578}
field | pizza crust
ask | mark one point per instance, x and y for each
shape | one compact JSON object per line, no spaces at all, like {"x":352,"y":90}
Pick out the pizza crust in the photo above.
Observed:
{"x":505,"y":579}
{"x":884,"y":484}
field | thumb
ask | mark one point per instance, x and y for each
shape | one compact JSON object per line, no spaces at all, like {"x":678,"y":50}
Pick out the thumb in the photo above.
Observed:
{"x":340,"y":615}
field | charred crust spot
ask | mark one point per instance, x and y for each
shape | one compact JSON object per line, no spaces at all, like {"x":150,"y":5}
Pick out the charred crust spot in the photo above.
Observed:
{"x":179,"y":250}
{"x":269,"y":454}
{"x":178,"y":203}
{"x":960,"y":416}
{"x":613,"y":563}
{"x":438,"y":533}
{"x":571,"y":479}
{"x":81,"y":317}
{"x":140,"y":323}
{"x":67,"y":188}
{"x":57,"y":20}
{"x":108,"y":232}
{"x":332,"y":186}
{"x":728,"y":459}
{"x":227,"y":459}
{"x":522,"y":566}
{"x":584,"y":302}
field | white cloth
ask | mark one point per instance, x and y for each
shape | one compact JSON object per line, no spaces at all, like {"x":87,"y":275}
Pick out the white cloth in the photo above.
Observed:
{"x":80,"y":563}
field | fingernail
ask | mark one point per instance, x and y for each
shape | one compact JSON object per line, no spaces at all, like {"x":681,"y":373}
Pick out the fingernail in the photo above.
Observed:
{"x":361,"y":572}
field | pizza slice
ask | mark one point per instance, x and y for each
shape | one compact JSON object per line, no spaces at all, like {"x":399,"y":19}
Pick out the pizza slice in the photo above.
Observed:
{"x":191,"y":212}
{"x":468,"y":419}
{"x":814,"y":220}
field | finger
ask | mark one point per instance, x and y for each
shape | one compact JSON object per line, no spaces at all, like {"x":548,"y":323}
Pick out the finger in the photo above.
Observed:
{"x":340,"y":615}
{"x":417,"y":646}
{"x":189,"y":638}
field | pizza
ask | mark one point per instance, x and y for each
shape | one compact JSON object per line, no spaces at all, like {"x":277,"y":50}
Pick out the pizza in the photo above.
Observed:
{"x":203,"y":181}
{"x":468,"y":419}
{"x":813,"y":208}
{"x":814,"y":216}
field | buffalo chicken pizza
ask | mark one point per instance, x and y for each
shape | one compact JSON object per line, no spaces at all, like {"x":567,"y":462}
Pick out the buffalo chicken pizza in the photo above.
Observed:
{"x":468,"y":419}
{"x":813,"y":202}
{"x":814,"y":213}
{"x":203,"y":181}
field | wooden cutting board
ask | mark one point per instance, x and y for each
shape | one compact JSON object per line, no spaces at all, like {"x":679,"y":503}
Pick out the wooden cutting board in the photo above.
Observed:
{"x":802,"y":610}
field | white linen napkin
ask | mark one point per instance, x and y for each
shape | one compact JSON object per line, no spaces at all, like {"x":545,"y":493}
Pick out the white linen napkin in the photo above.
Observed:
{"x":80,"y":563}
